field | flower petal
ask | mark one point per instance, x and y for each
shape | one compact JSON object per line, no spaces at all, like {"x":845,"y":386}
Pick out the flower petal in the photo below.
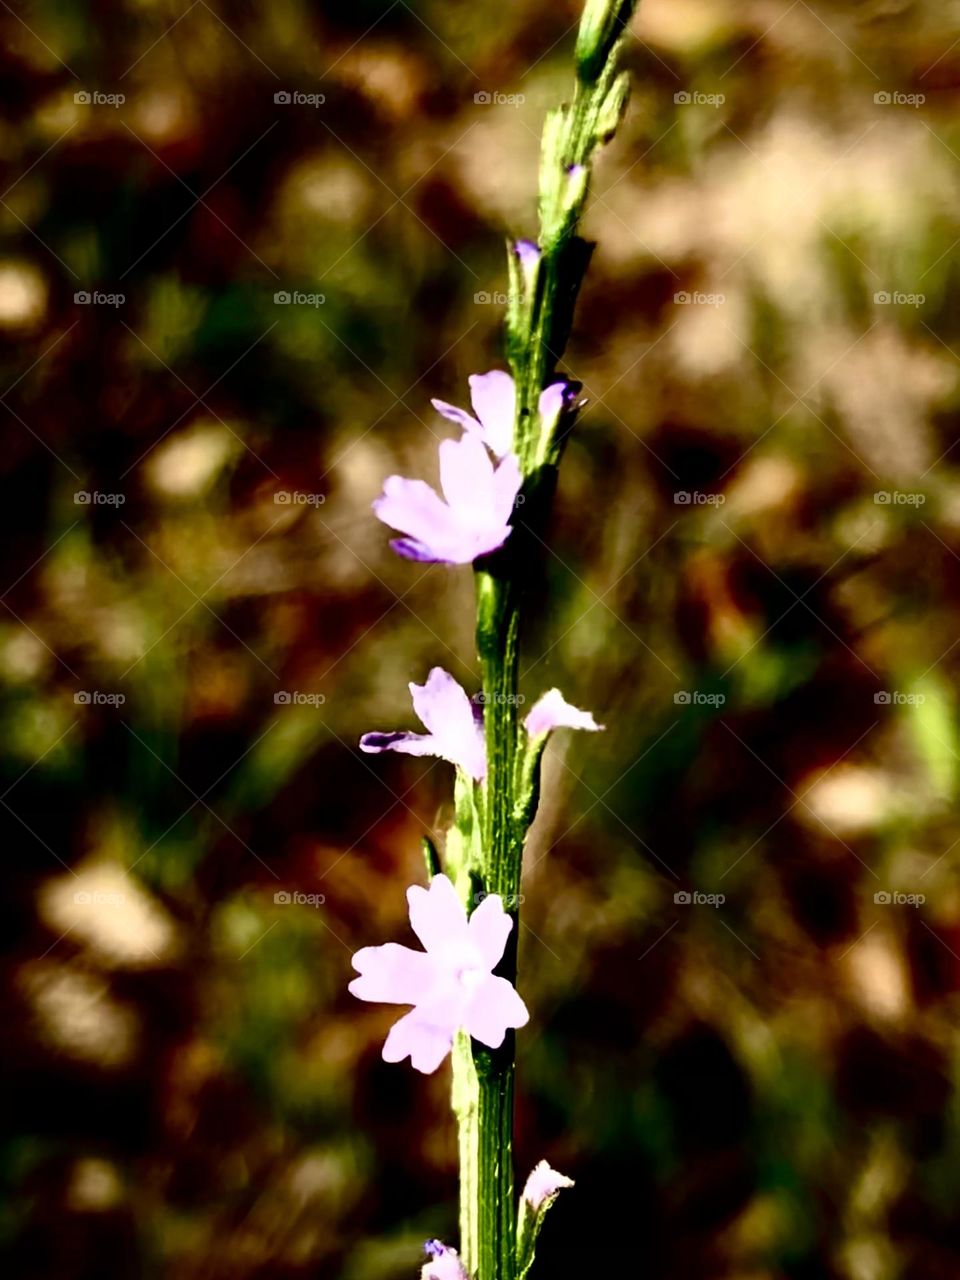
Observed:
{"x":459,"y":416}
{"x":552,"y":711}
{"x":411,"y":744}
{"x":424,"y":1044}
{"x":412,"y":507}
{"x":437,"y":916}
{"x":507,"y":481}
{"x":447,"y":712}
{"x":555,"y":400}
{"x":543,"y":1184}
{"x":494,"y":399}
{"x":495,"y":1006}
{"x":467,"y":481}
{"x":392,"y":974}
{"x":489,"y":929}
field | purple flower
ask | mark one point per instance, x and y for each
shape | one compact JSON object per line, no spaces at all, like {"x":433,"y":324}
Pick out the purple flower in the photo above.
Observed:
{"x":552,"y":711}
{"x":543,"y":1185}
{"x":444,"y":1263}
{"x":450,"y":984}
{"x":455,"y":727}
{"x":494,"y":399}
{"x":474,"y":518}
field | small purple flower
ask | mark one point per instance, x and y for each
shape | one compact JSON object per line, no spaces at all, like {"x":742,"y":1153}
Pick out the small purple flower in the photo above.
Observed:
{"x":552,"y":711}
{"x":473,"y":521}
{"x":494,"y":399}
{"x":450,"y":984}
{"x":444,"y":1263}
{"x":528,"y":255}
{"x":455,"y":727}
{"x":543,"y":1185}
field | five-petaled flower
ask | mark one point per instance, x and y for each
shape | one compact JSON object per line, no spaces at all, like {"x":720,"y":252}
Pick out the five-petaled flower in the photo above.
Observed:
{"x":450,"y":984}
{"x":470,"y":520}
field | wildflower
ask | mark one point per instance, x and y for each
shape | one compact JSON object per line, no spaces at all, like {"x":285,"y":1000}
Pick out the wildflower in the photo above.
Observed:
{"x":455,"y":727}
{"x":552,"y":711}
{"x":543,"y":1185}
{"x":494,"y":399}
{"x":450,"y":984}
{"x":444,"y":1263}
{"x":473,"y":517}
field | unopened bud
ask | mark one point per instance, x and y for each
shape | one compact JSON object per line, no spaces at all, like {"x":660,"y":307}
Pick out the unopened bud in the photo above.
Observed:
{"x":601,"y":26}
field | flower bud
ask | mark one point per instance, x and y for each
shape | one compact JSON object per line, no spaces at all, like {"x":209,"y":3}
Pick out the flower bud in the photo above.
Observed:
{"x":543,"y":1185}
{"x":614,"y":105}
{"x":601,"y":26}
{"x":444,"y":1263}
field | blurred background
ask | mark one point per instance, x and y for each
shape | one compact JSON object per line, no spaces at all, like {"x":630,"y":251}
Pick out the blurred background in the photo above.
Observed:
{"x":244,"y":245}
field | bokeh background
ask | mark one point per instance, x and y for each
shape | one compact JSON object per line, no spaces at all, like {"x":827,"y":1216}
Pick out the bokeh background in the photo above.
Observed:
{"x":742,"y":911}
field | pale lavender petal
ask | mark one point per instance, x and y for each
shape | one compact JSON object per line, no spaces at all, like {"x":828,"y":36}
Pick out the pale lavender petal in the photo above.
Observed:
{"x":444,"y":1263}
{"x":507,"y":482}
{"x":412,"y":507}
{"x":489,"y":929}
{"x":528,"y":253}
{"x":410,"y":744}
{"x":437,"y":916}
{"x":495,"y":1006}
{"x":393,"y":974}
{"x":425,"y":1045}
{"x":494,"y":399}
{"x":552,"y":711}
{"x":459,"y":416}
{"x":448,"y":713}
{"x":555,"y":400}
{"x":411,"y":549}
{"x":543,"y":1184}
{"x":466,"y":478}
